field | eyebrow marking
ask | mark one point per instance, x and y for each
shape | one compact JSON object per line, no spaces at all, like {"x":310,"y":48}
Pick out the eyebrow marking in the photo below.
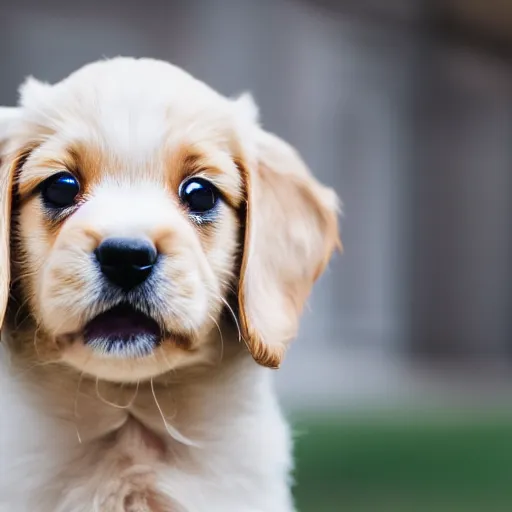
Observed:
{"x":19,"y":161}
{"x":68,"y":161}
{"x":209,"y":175}
{"x":185,"y":161}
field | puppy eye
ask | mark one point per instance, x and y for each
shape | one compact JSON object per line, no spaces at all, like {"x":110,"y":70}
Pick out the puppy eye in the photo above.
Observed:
{"x":199,"y":195}
{"x":60,"y":190}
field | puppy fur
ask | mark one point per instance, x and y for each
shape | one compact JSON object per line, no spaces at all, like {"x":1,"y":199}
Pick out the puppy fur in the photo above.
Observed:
{"x":195,"y":425}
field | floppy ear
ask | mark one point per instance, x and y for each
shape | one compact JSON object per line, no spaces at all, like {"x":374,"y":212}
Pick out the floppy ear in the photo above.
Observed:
{"x":8,"y":117}
{"x":291,"y":231}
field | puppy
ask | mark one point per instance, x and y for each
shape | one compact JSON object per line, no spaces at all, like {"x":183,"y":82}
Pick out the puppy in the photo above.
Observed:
{"x":156,"y":250}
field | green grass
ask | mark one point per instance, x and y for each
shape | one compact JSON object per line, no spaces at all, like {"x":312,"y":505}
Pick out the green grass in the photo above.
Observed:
{"x":382,"y":464}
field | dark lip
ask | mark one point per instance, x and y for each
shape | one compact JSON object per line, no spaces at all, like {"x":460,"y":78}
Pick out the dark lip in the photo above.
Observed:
{"x":122,"y":325}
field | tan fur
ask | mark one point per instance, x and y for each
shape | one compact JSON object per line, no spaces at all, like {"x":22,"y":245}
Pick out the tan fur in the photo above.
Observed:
{"x":288,"y":243}
{"x":131,"y":143}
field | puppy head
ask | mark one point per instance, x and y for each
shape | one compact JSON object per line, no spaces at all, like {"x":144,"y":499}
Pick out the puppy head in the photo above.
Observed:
{"x":141,"y":200}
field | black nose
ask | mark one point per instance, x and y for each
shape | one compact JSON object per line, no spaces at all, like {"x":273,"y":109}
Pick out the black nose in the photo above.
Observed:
{"x":126,"y":262}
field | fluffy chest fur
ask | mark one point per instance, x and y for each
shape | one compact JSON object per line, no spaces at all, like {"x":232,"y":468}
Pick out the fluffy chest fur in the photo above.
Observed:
{"x":217,"y":443}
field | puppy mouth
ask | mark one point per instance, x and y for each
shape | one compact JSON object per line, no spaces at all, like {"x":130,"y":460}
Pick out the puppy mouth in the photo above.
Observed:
{"x":122,"y":331}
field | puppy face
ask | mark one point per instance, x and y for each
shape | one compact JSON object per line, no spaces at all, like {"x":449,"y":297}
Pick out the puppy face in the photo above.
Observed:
{"x":142,"y":199}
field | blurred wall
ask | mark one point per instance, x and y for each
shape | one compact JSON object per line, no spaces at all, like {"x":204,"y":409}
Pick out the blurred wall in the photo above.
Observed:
{"x":412,"y":132}
{"x":462,"y":279}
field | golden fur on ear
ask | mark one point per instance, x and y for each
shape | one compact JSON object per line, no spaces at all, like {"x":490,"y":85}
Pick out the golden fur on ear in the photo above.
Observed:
{"x":291,"y":232}
{"x":7,"y":169}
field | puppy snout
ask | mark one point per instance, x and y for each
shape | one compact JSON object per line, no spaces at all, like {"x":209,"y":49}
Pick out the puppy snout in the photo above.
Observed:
{"x":126,"y":262}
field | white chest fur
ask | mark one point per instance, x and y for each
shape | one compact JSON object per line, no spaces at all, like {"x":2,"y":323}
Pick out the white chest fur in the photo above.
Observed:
{"x":217,"y":443}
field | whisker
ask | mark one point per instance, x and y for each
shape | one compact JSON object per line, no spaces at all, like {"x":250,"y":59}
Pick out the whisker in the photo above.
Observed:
{"x":21,"y":308}
{"x":230,"y":309}
{"x":228,"y":286}
{"x":169,"y":365}
{"x":174,"y":433}
{"x":112,"y":404}
{"x":28,"y":369}
{"x":76,"y":415}
{"x":36,"y":332}
{"x":75,"y":407}
{"x":221,"y":338}
{"x":24,"y":275}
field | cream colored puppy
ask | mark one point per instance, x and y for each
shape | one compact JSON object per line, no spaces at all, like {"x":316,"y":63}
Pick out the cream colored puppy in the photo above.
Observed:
{"x":152,"y":239}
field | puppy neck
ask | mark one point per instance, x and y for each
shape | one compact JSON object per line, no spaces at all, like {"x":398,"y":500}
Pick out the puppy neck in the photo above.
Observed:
{"x":185,"y":400}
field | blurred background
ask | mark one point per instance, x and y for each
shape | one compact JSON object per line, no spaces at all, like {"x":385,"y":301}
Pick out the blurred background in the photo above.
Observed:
{"x":399,"y":386}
